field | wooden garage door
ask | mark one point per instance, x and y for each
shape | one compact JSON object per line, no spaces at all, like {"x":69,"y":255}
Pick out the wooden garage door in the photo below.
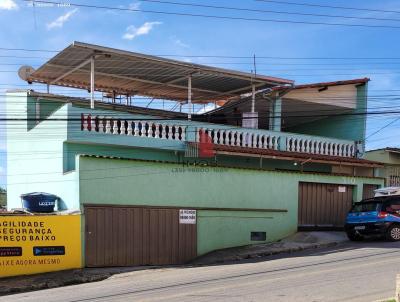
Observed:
{"x":127,"y":236}
{"x":324,"y":205}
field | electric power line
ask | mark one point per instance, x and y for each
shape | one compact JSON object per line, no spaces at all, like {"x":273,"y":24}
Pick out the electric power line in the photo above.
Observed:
{"x":382,"y":128}
{"x":266,"y":11}
{"x":331,"y":6}
{"x":181,"y":14}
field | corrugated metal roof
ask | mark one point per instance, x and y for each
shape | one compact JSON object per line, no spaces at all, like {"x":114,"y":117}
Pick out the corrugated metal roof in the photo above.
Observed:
{"x":133,"y":73}
{"x":107,"y":106}
{"x":325,"y":84}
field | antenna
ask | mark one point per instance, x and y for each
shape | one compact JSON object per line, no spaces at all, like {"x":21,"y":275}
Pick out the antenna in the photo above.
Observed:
{"x":24,"y":72}
{"x":254,"y":65}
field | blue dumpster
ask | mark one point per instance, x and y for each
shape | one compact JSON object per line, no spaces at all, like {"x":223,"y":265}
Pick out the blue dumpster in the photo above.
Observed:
{"x":39,"y":202}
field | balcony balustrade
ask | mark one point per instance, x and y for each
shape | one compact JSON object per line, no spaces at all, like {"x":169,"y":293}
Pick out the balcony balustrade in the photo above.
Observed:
{"x":219,"y":135}
{"x":117,"y":126}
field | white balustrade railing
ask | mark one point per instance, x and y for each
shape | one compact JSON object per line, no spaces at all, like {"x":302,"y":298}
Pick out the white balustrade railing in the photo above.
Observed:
{"x":320,"y":146}
{"x":241,"y":138}
{"x":118,"y":126}
{"x":236,"y":137}
{"x":272,"y":141}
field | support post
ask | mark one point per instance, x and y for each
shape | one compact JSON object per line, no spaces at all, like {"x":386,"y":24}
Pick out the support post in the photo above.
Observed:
{"x":253,"y":98}
{"x":92,"y":83}
{"x":190,"y":97}
{"x":275,"y":114}
{"x":48,"y":88}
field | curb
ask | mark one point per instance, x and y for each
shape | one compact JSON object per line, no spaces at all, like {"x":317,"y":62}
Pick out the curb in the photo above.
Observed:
{"x":78,"y":277}
{"x":255,"y":255}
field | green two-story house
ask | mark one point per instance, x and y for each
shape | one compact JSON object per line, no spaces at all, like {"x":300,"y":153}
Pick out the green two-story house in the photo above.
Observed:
{"x":279,"y":156}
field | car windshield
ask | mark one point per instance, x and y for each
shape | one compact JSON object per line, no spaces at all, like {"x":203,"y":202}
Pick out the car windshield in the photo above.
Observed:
{"x":365,"y":207}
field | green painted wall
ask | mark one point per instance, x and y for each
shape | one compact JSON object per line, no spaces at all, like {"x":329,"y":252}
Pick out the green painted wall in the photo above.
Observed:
{"x":383,"y":156}
{"x":379,"y":156}
{"x":271,"y":164}
{"x":42,"y":157}
{"x":394,"y":158}
{"x":71,"y":150}
{"x":130,"y":182}
{"x":391,"y":161}
{"x":349,"y":127}
{"x":38,"y":109}
{"x":35,"y":157}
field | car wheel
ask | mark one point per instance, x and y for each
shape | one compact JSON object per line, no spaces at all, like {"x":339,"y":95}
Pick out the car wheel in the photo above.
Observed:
{"x":393,"y":233}
{"x":354,"y":236}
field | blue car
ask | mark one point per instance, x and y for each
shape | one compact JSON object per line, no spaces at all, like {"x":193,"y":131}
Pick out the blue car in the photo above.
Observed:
{"x":374,"y":216}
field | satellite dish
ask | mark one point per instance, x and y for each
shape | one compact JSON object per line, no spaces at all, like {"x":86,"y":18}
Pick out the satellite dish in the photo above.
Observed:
{"x":25,"y":72}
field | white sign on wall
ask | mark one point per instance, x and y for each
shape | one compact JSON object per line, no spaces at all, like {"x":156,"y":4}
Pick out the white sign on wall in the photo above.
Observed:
{"x":187,"y":216}
{"x":342,"y":189}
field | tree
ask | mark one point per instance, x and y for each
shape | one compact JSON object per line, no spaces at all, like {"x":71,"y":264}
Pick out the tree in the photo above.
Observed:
{"x":3,"y":196}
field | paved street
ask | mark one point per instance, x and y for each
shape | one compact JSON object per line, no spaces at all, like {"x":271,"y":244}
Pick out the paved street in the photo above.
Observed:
{"x":351,"y":272}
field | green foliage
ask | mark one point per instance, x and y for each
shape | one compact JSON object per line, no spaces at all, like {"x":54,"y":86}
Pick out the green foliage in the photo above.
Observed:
{"x":3,"y":197}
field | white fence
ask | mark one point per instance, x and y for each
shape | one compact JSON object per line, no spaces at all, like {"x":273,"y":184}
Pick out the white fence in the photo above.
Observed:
{"x":118,"y":126}
{"x":270,"y":140}
{"x":236,"y":137}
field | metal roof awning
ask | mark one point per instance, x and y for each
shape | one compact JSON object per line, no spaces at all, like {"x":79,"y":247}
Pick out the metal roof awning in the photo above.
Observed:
{"x":129,"y":73}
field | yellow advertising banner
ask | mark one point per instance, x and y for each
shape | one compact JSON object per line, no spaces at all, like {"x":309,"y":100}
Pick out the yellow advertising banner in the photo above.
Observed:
{"x":40,"y":243}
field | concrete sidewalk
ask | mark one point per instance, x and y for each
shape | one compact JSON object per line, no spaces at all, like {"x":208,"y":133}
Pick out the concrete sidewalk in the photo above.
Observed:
{"x":298,"y":242}
{"x":26,"y":283}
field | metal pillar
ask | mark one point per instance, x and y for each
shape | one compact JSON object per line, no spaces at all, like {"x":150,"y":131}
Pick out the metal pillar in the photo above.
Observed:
{"x":92,"y":83}
{"x":190,"y":97}
{"x":48,"y":88}
{"x":253,"y":98}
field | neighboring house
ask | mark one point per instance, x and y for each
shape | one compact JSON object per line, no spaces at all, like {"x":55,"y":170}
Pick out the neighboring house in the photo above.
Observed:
{"x":390,"y":157}
{"x":136,"y":175}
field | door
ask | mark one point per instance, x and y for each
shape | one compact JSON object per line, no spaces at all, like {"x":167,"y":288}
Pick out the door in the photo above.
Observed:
{"x":368,"y":190}
{"x":129,"y":236}
{"x":324,"y":205}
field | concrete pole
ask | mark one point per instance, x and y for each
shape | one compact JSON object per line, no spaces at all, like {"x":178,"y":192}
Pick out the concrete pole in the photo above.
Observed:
{"x":253,"y":98}
{"x":92,"y":83}
{"x":190,"y":97}
{"x":397,"y":297}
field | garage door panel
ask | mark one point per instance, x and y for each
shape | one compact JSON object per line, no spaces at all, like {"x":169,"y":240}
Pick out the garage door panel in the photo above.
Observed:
{"x":138,"y":236}
{"x":90,"y":244}
{"x":124,"y":236}
{"x":169,"y":230}
{"x":175,"y":237}
{"x":323,"y":205}
{"x":368,"y":190}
